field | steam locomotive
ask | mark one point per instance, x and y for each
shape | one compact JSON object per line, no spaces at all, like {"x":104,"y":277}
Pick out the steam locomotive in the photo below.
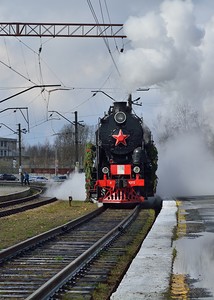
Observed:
{"x":125,"y":158}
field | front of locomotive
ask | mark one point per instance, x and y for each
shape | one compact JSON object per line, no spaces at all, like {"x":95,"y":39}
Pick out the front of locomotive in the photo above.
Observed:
{"x":120,"y":156}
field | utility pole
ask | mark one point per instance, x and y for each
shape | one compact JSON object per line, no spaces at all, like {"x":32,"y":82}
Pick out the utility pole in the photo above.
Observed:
{"x":20,"y":148}
{"x":76,"y":141}
{"x":76,"y":133}
{"x":20,"y":131}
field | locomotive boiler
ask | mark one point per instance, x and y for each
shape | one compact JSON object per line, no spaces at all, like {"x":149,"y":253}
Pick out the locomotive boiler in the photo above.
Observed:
{"x":125,"y":158}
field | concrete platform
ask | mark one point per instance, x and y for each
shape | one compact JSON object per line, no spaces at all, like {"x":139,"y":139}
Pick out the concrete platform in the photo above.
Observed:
{"x":8,"y":192}
{"x":149,"y":274}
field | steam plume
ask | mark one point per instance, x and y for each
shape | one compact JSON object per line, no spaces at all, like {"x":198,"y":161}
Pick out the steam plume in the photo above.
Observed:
{"x":172,"y":51}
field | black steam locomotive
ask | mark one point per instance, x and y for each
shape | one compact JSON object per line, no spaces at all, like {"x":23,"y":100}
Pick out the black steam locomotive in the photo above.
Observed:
{"x":124,"y":170}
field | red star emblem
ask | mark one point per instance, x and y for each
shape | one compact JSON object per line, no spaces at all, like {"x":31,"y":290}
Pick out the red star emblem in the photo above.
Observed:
{"x":120,"y":138}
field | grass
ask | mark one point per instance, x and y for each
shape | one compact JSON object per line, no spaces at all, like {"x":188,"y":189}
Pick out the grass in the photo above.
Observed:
{"x":24,"y":225}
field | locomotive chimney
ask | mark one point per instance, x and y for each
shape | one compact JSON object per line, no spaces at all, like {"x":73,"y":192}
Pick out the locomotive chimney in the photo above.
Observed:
{"x":119,"y":106}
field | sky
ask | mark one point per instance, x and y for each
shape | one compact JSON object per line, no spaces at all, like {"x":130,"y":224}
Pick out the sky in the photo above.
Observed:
{"x":79,"y":65}
{"x":168,"y":49}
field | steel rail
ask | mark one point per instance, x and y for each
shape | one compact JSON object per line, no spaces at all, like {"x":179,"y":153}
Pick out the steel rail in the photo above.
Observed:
{"x":37,"y":203}
{"x":48,"y":289}
{"x":15,"y":250}
{"x":37,"y":191}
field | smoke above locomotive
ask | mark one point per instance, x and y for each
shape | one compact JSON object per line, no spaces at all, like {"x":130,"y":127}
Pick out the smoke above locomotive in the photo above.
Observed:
{"x":125,"y":158}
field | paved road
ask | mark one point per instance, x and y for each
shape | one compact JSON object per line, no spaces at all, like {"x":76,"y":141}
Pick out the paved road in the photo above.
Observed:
{"x":195,"y":247}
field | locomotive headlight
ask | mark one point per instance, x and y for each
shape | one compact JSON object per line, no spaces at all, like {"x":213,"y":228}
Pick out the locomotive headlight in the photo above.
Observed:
{"x":120,"y":117}
{"x":105,"y":170}
{"x":136,"y":169}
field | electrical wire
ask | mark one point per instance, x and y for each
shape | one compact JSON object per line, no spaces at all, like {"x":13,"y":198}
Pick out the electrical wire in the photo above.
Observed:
{"x":13,"y":88}
{"x":110,"y":22}
{"x":38,"y":54}
{"x":8,"y":58}
{"x":13,"y":69}
{"x":41,"y":80}
{"x":17,"y":72}
{"x":41,"y":59}
{"x":25,"y":64}
{"x":102,"y":15}
{"x":104,"y":39}
{"x":61,"y":82}
{"x":88,"y":99}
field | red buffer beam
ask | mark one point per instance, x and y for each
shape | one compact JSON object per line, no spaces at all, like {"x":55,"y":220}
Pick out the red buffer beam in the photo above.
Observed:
{"x":62,"y":30}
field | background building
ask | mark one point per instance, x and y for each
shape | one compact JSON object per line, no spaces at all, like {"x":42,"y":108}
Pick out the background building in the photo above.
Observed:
{"x":9,"y":156}
{"x":8,"y":148}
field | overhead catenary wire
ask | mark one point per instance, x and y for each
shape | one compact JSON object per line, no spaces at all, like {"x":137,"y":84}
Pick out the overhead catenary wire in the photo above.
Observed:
{"x":40,"y":73}
{"x":104,"y":38}
{"x":102,"y":15}
{"x":42,"y":61}
{"x":109,"y":19}
{"x":8,"y":65}
{"x":25,"y":64}
{"x":39,"y":52}
{"x":108,"y":14}
{"x":8,"y":58}
{"x":27,"y":76}
{"x":17,"y":72}
{"x":39,"y":56}
{"x":88,"y":99}
{"x":36,"y":53}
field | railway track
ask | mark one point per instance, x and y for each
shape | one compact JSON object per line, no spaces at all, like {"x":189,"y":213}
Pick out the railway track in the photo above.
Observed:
{"x":51,"y":264}
{"x":10,"y":207}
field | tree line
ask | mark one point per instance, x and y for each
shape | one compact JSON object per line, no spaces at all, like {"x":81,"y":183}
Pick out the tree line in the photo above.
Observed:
{"x":62,"y":151}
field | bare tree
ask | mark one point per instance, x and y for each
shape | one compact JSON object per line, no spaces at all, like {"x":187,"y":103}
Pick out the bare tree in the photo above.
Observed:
{"x":41,"y":155}
{"x":63,"y":150}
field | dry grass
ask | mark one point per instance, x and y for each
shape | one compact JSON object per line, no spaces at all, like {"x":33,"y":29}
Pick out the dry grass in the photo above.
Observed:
{"x":19,"y":227}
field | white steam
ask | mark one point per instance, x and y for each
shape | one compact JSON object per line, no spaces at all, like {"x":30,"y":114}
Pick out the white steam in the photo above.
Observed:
{"x":185,"y":167}
{"x":174,"y":53}
{"x":165,"y":47}
{"x":74,"y":186}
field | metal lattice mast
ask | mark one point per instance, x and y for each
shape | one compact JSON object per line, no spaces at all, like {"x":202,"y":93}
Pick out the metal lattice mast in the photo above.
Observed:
{"x":62,"y":30}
